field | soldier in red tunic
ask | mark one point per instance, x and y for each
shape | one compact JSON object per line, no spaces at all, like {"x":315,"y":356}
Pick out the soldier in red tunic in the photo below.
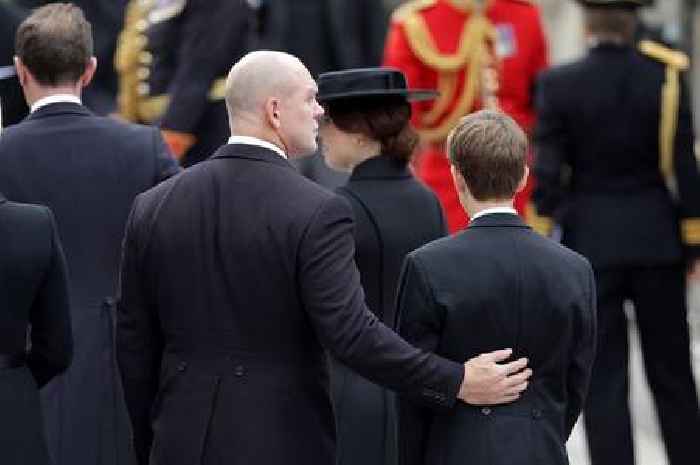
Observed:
{"x":478,"y":54}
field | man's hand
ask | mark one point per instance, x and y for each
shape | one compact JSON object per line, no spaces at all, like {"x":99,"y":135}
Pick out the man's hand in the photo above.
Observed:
{"x":487,"y":382}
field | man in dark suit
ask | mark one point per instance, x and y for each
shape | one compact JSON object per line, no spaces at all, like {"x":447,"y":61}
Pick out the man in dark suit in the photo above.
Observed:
{"x":33,"y":293}
{"x":616,"y":171}
{"x":88,"y":170}
{"x":498,"y":283}
{"x":226,"y":363}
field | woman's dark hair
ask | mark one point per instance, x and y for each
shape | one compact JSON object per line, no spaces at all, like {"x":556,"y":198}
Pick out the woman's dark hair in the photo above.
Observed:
{"x":384,"y":119}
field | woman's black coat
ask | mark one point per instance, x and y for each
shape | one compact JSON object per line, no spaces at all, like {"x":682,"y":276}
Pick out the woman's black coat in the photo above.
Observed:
{"x":394,"y":214}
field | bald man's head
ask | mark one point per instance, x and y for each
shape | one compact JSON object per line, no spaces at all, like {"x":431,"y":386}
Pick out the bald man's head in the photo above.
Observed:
{"x":271,"y":95}
{"x":258,"y":76}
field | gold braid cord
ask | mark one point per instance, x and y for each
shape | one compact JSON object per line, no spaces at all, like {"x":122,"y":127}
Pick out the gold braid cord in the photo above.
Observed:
{"x":670,"y":98}
{"x":690,"y":230}
{"x":126,"y":59}
{"x":473,"y":53}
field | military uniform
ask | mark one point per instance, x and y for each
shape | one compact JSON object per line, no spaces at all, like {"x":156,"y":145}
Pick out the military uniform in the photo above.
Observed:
{"x":173,"y":57}
{"x":478,"y":54}
{"x":616,"y":170}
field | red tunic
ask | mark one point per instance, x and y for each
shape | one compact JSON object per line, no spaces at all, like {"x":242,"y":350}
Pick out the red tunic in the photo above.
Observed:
{"x":521,"y":47}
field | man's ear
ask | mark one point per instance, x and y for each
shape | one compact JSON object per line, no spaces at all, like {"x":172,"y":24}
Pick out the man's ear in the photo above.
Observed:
{"x":272,"y":112}
{"x":22,"y":71}
{"x":89,"y":72}
{"x":458,"y":179}
{"x":523,"y":181}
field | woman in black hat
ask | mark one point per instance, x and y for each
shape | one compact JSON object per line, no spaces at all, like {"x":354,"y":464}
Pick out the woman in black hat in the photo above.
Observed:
{"x":366,"y":131}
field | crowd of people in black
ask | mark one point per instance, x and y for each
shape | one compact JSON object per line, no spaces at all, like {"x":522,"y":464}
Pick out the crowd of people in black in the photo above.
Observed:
{"x":215,"y":247}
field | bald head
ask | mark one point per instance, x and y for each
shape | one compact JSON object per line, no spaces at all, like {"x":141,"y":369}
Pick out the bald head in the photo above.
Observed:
{"x":258,"y":76}
{"x":272,"y":96}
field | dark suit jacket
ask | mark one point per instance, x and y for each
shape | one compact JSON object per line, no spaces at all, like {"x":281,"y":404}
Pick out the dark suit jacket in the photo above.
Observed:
{"x":380,"y":191}
{"x":88,"y":170}
{"x":33,"y":291}
{"x":499,"y":284}
{"x":597,"y":160}
{"x":238,"y":338}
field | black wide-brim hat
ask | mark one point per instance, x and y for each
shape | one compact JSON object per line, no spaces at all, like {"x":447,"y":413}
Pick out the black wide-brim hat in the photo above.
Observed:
{"x":616,"y":3}
{"x":368,"y":82}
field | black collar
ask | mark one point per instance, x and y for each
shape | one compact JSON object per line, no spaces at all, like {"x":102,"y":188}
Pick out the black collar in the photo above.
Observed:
{"x":60,"y":108}
{"x":251,"y":152}
{"x":498,"y":220}
{"x":381,"y":167}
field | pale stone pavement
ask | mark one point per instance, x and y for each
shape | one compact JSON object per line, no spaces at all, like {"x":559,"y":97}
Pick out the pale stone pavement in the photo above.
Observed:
{"x":649,"y":448}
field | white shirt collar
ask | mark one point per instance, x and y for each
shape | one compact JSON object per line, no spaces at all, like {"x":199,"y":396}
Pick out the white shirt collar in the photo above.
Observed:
{"x":57,"y":98}
{"x":259,"y":142}
{"x":490,"y":211}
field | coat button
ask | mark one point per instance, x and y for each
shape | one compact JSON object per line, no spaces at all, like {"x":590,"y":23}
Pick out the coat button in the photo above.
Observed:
{"x":239,"y":370}
{"x":486,"y":411}
{"x":182,"y":366}
{"x":536,"y":413}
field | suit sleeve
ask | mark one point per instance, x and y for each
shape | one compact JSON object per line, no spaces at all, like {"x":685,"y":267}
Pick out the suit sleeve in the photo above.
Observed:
{"x":331,"y":291}
{"x":138,"y":340}
{"x":550,"y":154}
{"x":687,"y":177}
{"x":210,"y":30}
{"x":582,"y":355}
{"x":420,"y":320}
{"x":165,"y":165}
{"x":51,"y":333}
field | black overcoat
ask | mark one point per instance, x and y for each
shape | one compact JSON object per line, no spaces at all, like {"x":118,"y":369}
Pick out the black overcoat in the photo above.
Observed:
{"x":88,"y":170}
{"x":236,"y":274}
{"x":499,"y":284}
{"x":394,"y":214}
{"x":33,"y":291}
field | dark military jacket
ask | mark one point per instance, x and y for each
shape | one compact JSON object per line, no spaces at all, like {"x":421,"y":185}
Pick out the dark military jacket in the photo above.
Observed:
{"x":615,"y":162}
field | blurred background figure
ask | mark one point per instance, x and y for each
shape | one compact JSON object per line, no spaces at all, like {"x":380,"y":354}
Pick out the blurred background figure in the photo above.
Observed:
{"x":12,"y":105}
{"x":616,"y":170}
{"x":33,"y":300}
{"x":366,"y":132}
{"x":478,"y":54}
{"x":172,"y":59}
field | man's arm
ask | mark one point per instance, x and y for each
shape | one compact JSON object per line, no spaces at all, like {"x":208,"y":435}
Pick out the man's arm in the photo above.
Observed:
{"x":331,"y":291}
{"x":51,"y":336}
{"x":582,"y":355}
{"x":139,"y":343}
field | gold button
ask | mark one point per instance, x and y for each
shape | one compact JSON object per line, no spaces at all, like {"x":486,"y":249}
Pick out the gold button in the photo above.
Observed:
{"x":143,"y":89}
{"x":143,"y":73}
{"x":145,"y":58}
{"x":141,"y":40}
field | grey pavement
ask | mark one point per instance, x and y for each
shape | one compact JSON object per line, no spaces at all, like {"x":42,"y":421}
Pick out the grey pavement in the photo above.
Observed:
{"x":649,"y":447}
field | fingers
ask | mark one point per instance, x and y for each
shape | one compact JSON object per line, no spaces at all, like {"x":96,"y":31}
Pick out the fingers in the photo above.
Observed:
{"x":518,"y":378}
{"x":516,"y":366}
{"x":498,"y":355}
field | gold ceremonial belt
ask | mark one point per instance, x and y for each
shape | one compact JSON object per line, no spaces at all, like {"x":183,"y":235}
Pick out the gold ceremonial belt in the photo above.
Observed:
{"x":150,"y":109}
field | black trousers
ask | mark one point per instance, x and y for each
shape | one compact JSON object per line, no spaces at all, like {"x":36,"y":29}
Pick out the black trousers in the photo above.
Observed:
{"x":659,"y":297}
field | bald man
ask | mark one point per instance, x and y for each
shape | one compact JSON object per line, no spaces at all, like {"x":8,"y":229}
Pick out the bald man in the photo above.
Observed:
{"x":237,"y":274}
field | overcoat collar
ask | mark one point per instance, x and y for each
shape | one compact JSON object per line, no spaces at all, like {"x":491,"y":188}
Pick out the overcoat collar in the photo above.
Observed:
{"x":381,"y":167}
{"x":59,"y":108}
{"x":498,"y":220}
{"x":251,"y":152}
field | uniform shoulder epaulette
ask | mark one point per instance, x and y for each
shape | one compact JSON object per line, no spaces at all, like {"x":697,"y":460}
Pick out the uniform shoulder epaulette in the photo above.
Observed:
{"x":409,"y":8}
{"x":668,"y":56}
